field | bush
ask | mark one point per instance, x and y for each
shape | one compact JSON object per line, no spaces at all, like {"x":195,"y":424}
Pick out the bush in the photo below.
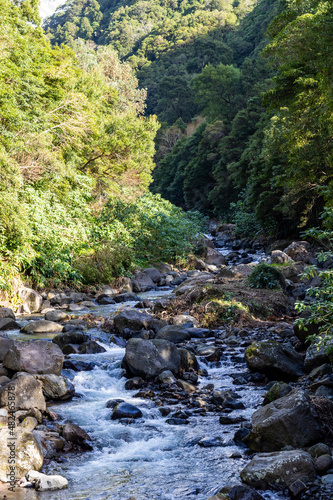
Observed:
{"x":265,"y":276}
{"x":104,"y":264}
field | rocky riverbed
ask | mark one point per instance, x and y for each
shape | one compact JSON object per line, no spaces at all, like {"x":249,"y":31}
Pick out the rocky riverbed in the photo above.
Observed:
{"x":178,"y":384}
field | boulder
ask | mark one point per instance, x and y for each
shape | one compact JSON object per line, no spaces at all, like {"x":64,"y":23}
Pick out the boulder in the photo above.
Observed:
{"x":288,"y":421}
{"x":153,"y":273}
{"x":188,"y":361}
{"x":215,"y":257}
{"x":299,"y":251}
{"x":173,"y":333}
{"x":6,"y":312}
{"x":34,"y":356}
{"x":42,"y":482}
{"x":5,"y":345}
{"x":135,"y":321}
{"x":125,"y":297}
{"x":142,"y":282}
{"x":56,"y":316}
{"x":316,"y":355}
{"x":244,"y":492}
{"x":60,"y":299}
{"x":91,"y":347}
{"x":275,"y":360}
{"x":71,"y":337}
{"x":27,"y":393}
{"x":184,"y":319}
{"x":32,"y":301}
{"x":279,"y":468}
{"x":277,"y":391}
{"x":28,"y":453}
{"x":41,"y":326}
{"x":125,"y":410}
{"x":56,"y":387}
{"x":8,"y":324}
{"x":167,"y":377}
{"x":104,"y":299}
{"x":279,"y":257}
{"x":149,"y":358}
{"x":74,"y":434}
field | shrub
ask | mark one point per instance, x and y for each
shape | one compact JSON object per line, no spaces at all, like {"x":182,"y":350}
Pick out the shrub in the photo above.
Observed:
{"x":265,"y":276}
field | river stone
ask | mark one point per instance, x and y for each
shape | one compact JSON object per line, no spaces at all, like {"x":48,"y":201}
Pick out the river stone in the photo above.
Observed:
{"x":32,"y":301}
{"x":41,"y":326}
{"x":299,"y":251}
{"x":188,"y":361}
{"x":56,"y":316}
{"x":91,"y":347}
{"x":215,"y":257}
{"x":244,"y":492}
{"x":185,"y":319}
{"x":42,"y":482}
{"x":317,"y":356}
{"x":290,"y":420}
{"x":323,"y":464}
{"x":104,"y":299}
{"x":74,"y":434}
{"x":135,"y":321}
{"x":34,"y":356}
{"x":275,"y":360}
{"x":29,"y":423}
{"x":70,"y":337}
{"x":142,"y":283}
{"x":148,"y":358}
{"x":173,"y":333}
{"x":126,"y":410}
{"x":319,"y":449}
{"x":29,"y":454}
{"x":277,"y":391}
{"x":60,"y":299}
{"x":56,"y":387}
{"x":167,"y":377}
{"x":6,"y":312}
{"x":5,"y":345}
{"x":279,"y":257}
{"x":186,"y":386}
{"x":153,"y":273}
{"x":8,"y":324}
{"x":28,"y":393}
{"x":279,"y":468}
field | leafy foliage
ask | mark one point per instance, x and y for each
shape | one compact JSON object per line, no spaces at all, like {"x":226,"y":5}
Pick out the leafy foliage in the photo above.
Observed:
{"x":265,"y":276}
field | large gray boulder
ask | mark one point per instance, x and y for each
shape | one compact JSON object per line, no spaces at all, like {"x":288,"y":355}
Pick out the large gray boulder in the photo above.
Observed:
{"x":42,"y":482}
{"x":299,"y":251}
{"x":153,"y":273}
{"x":142,"y":282}
{"x":56,"y":316}
{"x":32,"y":301}
{"x":149,"y":358}
{"x":173,"y":333}
{"x":288,"y":421}
{"x":275,"y":360}
{"x":317,"y":355}
{"x":34,"y":356}
{"x":6,"y":312}
{"x":135,"y":321}
{"x":56,"y":387}
{"x":5,"y":345}
{"x":8,"y":324}
{"x":279,"y":468}
{"x":279,"y":257}
{"x":28,"y":393}
{"x":215,"y":257}
{"x":41,"y":326}
{"x":71,"y":337}
{"x":27,"y":450}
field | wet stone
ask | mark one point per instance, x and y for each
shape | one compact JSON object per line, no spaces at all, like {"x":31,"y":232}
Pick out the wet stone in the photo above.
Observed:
{"x":210,"y":442}
{"x":126,"y":410}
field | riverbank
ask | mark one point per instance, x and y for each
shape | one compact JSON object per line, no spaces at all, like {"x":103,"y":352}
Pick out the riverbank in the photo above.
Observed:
{"x":168,"y":404}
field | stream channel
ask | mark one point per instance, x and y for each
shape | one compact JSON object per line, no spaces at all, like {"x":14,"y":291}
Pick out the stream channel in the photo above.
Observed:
{"x":148,"y":458}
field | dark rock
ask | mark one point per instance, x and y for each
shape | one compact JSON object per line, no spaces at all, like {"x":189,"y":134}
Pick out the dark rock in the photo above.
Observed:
{"x":91,"y":347}
{"x":173,"y":333}
{"x":319,"y":449}
{"x":153,"y":273}
{"x":297,"y":487}
{"x":283,"y":422}
{"x":188,"y":361}
{"x":35,"y":356}
{"x":316,"y":355}
{"x":8,"y":324}
{"x":76,"y":435}
{"x":210,"y":353}
{"x":240,"y":435}
{"x":70,"y":337}
{"x":227,"y":420}
{"x":275,"y":360}
{"x":210,"y":441}
{"x":299,"y":251}
{"x":56,"y":316}
{"x":323,"y":464}
{"x":5,"y":345}
{"x":148,"y":358}
{"x":135,"y":321}
{"x":134,"y":383}
{"x":126,"y":297}
{"x":279,"y":468}
{"x":227,"y":400}
{"x":142,"y":283}
{"x":277,"y":391}
{"x":104,"y":299}
{"x":6,"y":312}
{"x":112,"y":403}
{"x":176,"y":421}
{"x":78,"y":366}
{"x":126,"y":410}
{"x":56,"y":387}
{"x":244,"y":493}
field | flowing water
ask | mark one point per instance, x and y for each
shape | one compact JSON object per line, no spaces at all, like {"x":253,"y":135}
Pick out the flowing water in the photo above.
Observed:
{"x":147,"y":459}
